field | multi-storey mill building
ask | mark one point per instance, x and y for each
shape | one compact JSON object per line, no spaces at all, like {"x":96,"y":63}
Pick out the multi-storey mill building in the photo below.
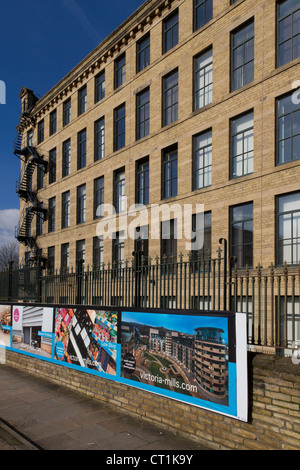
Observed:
{"x":188,"y":101}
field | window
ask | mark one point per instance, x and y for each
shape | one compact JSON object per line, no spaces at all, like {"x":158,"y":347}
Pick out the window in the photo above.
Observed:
{"x":119,"y":127}
{"x":120,"y":70}
{"x":142,"y":181}
{"x":141,"y":244}
{"x":82,"y":100}
{"x":119,"y":190}
{"x":203,"y":12}
{"x":51,"y":258}
{"x":100,"y":87}
{"x":81,"y":204}
{"x":170,"y":98}
{"x":80,"y":251}
{"x":170,"y":32}
{"x":169,"y":242}
{"x":241,"y":234}
{"x":67,"y":112}
{"x":51,"y":214}
{"x":39,"y":223}
{"x":242,"y":56}
{"x":64,"y":256}
{"x":142,"y":113}
{"x":143,"y":53}
{"x":99,"y":197}
{"x":288,"y":228}
{"x":98,"y":251}
{"x":288,"y":130}
{"x":242,"y":145}
{"x":52,"y":122}
{"x":202,"y":160}
{"x":99,"y":139}
{"x":201,"y":227}
{"x":66,"y":158}
{"x":81,"y":149}
{"x":30,"y":138}
{"x":40,"y":176}
{"x":65,"y":210}
{"x":169,"y":173}
{"x":288,"y":31}
{"x":52,"y":166}
{"x":203,"y":79}
{"x":41,"y":135}
{"x":118,"y":249}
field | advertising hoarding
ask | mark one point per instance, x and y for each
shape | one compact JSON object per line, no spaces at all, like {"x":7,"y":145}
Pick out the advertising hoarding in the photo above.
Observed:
{"x":199,"y":358}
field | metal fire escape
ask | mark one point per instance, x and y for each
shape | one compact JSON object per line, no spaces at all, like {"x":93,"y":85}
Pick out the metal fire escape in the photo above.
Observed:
{"x":30,"y":159}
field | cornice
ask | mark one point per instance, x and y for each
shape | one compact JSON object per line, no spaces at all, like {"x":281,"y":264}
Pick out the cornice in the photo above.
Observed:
{"x":106,"y":50}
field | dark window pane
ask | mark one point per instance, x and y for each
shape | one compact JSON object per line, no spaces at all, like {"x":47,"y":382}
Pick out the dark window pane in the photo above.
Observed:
{"x":170,"y":32}
{"x":169,"y":174}
{"x":288,"y":31}
{"x":119,"y":128}
{"x":242,"y":56}
{"x":143,"y":113}
{"x":120,"y":70}
{"x":241,"y":234}
{"x":143,"y":53}
{"x":82,"y":100}
{"x":170,"y":98}
{"x":100,"y":87}
{"x":67,"y":112}
{"x":203,"y":12}
{"x":81,"y":160}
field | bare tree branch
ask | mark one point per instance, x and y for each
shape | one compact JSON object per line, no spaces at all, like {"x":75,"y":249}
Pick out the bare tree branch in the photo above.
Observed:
{"x":9,"y":252}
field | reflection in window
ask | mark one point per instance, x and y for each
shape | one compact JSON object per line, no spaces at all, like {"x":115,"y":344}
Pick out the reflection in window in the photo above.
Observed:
{"x":242,"y":145}
{"x":288,"y":228}
{"x":170,"y":98}
{"x":202,"y":160}
{"x":169,"y":173}
{"x":288,"y":130}
{"x":203,"y":77}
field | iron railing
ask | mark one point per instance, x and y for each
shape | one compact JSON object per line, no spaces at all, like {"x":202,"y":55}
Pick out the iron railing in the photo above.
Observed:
{"x":269,"y":297}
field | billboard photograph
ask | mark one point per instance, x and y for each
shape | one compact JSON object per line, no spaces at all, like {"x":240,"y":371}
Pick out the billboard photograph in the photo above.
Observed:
{"x":5,"y":325}
{"x":87,"y":338}
{"x":186,"y":357}
{"x":32,"y":329}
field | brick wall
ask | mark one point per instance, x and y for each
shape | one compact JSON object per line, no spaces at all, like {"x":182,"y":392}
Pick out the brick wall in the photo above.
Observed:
{"x":274,"y":404}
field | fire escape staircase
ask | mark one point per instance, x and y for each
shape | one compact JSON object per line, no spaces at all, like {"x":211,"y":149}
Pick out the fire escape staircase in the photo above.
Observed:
{"x":31,"y":159}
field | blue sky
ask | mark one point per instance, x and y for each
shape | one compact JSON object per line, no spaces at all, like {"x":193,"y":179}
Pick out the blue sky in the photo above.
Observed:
{"x":40,"y":42}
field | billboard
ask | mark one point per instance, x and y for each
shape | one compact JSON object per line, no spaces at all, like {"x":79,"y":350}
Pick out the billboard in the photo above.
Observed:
{"x":32,"y":329}
{"x":196,"y":357}
{"x":87,"y":338}
{"x":190,"y":357}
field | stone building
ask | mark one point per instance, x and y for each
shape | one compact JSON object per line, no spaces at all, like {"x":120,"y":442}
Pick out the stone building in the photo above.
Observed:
{"x":187,"y":102}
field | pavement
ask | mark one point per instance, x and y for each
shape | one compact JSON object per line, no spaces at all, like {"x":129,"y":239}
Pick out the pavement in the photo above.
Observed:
{"x":36,"y":414}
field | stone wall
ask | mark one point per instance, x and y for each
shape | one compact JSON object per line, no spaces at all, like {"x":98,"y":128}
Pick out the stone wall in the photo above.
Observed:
{"x":274,"y":404}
